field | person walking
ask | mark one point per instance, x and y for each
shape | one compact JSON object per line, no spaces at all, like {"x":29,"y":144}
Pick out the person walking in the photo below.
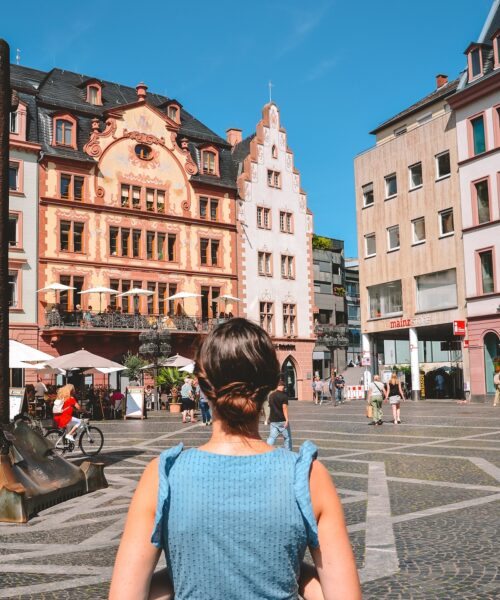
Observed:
{"x":394,"y":393}
{"x":317,"y":386}
{"x":267,"y":505}
{"x":187,"y":400}
{"x":375,"y":398}
{"x":204,"y":406}
{"x":40,"y":391}
{"x":339,"y":383}
{"x":278,"y":416}
{"x":496,"y":381}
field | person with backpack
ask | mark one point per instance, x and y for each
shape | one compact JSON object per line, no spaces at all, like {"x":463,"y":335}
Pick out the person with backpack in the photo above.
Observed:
{"x":376,"y":393}
{"x":62,"y":410}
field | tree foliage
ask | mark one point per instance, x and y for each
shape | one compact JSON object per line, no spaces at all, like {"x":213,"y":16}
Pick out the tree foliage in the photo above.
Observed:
{"x":321,"y":243}
{"x":133,"y":366}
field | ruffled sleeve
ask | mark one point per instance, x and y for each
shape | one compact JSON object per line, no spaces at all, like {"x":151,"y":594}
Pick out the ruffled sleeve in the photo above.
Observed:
{"x":308,"y":452}
{"x":167,"y":460}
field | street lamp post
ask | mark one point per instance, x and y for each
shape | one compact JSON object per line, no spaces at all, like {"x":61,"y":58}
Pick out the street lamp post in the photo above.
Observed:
{"x":155,"y":344}
{"x":334,"y":338}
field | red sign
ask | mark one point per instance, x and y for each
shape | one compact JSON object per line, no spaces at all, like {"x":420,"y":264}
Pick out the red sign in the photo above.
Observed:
{"x":458,"y":327}
{"x":466,"y":343}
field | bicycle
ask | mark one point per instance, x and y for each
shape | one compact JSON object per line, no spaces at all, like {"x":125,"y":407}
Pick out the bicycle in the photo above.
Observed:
{"x":90,"y":442}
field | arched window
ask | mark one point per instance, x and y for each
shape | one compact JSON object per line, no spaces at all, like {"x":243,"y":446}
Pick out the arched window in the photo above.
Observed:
{"x":491,"y":355}
{"x":210,"y":161}
{"x":94,"y":94}
{"x":64,"y":131}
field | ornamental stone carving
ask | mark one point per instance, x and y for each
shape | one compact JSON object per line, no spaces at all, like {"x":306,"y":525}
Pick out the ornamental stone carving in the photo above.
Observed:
{"x":289,"y":162}
{"x":93,"y":147}
{"x":144,"y":138}
{"x":255,"y":173}
{"x":260,"y":154}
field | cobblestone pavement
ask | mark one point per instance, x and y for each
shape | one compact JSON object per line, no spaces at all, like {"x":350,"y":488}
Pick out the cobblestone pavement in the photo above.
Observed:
{"x":421,"y":500}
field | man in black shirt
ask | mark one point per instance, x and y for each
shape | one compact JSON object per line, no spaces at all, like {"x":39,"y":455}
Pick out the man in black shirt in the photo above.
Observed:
{"x":278,"y":417}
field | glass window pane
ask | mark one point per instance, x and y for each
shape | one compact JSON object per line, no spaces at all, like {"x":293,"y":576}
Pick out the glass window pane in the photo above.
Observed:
{"x":393,"y":237}
{"x":160,"y":201}
{"x":447,"y":225}
{"x":68,"y":129}
{"x":483,"y":201}
{"x":59,"y":132}
{"x":487,"y":279}
{"x":436,"y":291}
{"x":78,"y":237}
{"x":150,"y":240}
{"x":203,"y":208}
{"x":78,"y":188}
{"x":391,"y":186}
{"x":478,"y":135}
{"x":443,"y":163}
{"x":418,"y":230}
{"x":204,"y":251}
{"x":150,"y":199}
{"x":12,"y":289}
{"x":161,"y":246}
{"x":368,"y":197}
{"x":172,"y":238}
{"x":64,"y":234}
{"x":385,"y":299}
{"x":13,"y":177}
{"x":215,"y":252}
{"x":214,"y":205}
{"x":370,"y":245}
{"x":125,"y":241}
{"x":476,"y":62}
{"x":65,"y":185}
{"x":12,"y":230}
{"x":416,"y":175}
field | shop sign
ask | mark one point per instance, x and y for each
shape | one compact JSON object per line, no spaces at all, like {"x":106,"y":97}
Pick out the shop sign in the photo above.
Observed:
{"x":466,"y":343}
{"x":458,"y":327}
{"x":285,"y":347}
{"x":412,"y":322}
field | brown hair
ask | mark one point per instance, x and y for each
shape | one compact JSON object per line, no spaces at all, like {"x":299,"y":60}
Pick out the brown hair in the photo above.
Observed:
{"x":236,"y":368}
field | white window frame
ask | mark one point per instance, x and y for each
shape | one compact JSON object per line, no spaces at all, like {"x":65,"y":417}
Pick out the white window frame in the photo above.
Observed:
{"x":386,"y":179}
{"x":370,"y":235}
{"x":416,"y":242}
{"x":437,"y":157}
{"x":15,"y":287}
{"x":365,"y":191}
{"x":440,"y":220}
{"x":410,"y":176}
{"x":389,"y":247}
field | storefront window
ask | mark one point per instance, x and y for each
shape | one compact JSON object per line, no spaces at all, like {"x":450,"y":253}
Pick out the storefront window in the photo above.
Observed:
{"x":436,"y":291}
{"x":385,"y":299}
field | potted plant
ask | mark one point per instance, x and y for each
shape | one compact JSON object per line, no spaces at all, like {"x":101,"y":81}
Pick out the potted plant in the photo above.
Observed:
{"x":172,"y":379}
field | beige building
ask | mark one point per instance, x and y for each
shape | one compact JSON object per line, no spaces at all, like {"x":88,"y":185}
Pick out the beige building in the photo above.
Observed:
{"x":411,"y":259}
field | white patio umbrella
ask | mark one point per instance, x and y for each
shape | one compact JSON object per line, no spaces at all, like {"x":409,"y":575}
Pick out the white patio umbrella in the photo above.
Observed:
{"x":227,"y":297}
{"x":56,"y":287}
{"x":182,"y":296}
{"x":100,"y":291}
{"x":104,"y":370}
{"x":177,"y":361}
{"x":21,"y":354}
{"x":135,"y":292}
{"x":188,"y":368}
{"x":82,"y":359}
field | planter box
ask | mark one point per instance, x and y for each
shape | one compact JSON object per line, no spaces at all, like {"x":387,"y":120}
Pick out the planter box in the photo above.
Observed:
{"x":175,"y":407}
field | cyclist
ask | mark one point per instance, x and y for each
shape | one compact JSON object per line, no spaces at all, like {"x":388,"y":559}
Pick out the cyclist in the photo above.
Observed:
{"x":63,"y":408}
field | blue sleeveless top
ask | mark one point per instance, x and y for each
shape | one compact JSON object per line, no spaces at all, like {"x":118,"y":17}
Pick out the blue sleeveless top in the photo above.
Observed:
{"x":235,"y":527}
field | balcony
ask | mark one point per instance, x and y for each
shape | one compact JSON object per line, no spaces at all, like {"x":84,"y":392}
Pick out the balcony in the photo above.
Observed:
{"x":89,"y":321}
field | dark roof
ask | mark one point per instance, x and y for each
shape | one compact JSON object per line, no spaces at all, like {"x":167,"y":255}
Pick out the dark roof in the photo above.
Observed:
{"x":491,"y":26}
{"x":55,"y":90}
{"x":438,"y":94}
{"x":242,"y":150}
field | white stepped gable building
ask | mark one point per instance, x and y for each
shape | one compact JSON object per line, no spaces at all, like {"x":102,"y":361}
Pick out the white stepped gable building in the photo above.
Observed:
{"x":275,"y":252}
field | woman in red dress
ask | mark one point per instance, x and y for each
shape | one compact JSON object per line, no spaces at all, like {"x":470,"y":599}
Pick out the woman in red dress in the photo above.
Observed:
{"x":66,"y":394}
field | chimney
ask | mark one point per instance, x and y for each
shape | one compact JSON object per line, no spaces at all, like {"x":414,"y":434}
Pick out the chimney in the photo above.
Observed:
{"x":141,"y":91}
{"x":441,"y":80}
{"x":233,"y":136}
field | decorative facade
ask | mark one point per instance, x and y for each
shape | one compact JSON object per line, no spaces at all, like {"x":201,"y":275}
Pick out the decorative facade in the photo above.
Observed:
{"x":275,"y":250}
{"x":477,"y":108}
{"x":133,"y":192}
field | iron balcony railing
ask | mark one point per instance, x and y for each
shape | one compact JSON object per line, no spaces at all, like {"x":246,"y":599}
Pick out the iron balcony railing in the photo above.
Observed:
{"x":86,"y":320}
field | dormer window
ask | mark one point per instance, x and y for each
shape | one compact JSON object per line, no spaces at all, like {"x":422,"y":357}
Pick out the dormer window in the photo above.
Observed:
{"x":17,"y":122}
{"x":173,"y":112}
{"x":94,"y":94}
{"x":65,"y":131}
{"x":14,"y":123}
{"x":475,"y":61}
{"x":210,"y":161}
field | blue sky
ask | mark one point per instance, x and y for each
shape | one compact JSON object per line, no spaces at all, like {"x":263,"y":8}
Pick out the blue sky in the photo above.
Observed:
{"x":338,"y":68}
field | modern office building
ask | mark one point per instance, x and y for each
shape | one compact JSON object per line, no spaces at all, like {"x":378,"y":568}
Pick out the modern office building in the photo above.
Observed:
{"x":411,"y":268}
{"x":329,"y":305}
{"x":275,"y":253}
{"x":476,"y":105}
{"x":353,"y":308}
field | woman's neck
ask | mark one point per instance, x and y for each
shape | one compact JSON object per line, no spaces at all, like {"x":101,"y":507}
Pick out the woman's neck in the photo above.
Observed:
{"x":227,"y":441}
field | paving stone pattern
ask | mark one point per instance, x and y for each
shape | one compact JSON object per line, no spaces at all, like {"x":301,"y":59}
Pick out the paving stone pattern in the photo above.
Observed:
{"x":421,"y":500}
